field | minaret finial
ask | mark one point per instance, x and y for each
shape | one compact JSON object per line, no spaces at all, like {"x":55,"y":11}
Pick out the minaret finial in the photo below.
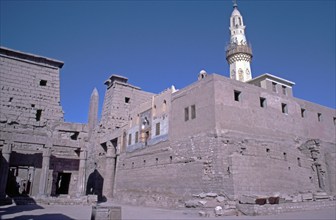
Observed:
{"x":234,"y":3}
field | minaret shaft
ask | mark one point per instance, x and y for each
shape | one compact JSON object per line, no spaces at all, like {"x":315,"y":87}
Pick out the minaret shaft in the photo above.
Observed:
{"x":238,"y":52}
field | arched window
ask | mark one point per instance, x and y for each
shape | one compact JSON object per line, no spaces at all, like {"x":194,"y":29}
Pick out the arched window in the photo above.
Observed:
{"x":240,"y":22}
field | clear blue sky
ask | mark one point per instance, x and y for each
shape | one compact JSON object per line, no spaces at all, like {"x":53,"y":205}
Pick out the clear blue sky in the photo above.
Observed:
{"x":157,"y":44}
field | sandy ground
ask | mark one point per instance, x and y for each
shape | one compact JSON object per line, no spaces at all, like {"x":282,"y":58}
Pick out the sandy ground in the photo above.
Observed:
{"x":58,"y":212}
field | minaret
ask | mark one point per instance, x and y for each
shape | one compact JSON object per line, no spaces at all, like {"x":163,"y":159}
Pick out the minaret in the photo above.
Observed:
{"x":238,"y":52}
{"x":93,"y":111}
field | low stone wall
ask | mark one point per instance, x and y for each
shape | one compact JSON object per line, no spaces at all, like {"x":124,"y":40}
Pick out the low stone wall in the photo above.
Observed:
{"x":67,"y":200}
{"x":268,"y":209}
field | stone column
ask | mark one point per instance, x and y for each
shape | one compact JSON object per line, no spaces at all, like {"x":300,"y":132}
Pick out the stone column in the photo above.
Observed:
{"x":81,"y":173}
{"x":44,"y":171}
{"x":6,"y":151}
{"x":109,"y":170}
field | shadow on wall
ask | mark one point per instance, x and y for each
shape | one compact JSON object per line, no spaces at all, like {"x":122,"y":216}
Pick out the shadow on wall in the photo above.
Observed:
{"x":94,"y":185}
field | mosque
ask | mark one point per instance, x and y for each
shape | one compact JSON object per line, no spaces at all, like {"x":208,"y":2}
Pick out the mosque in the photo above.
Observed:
{"x":238,"y":137}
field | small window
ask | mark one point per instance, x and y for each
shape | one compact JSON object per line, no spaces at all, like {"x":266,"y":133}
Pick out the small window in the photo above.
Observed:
{"x":334,"y":120}
{"x":171,"y":159}
{"x":129,"y":139}
{"x":299,"y":161}
{"x":10,"y":99}
{"x":237,"y":95}
{"x":156,"y":160}
{"x":274,"y":87}
{"x":38,"y":115}
{"x":303,"y":113}
{"x":193,"y":112}
{"x":144,"y":162}
{"x":157,"y":129}
{"x":263,"y":102}
{"x":164,"y":106}
{"x":284,"y":108}
{"x":136,"y":137}
{"x":127,"y":99}
{"x":284,"y":90}
{"x":319,"y":116}
{"x":285,"y":156}
{"x":43,"y":82}
{"x":186,"y":114}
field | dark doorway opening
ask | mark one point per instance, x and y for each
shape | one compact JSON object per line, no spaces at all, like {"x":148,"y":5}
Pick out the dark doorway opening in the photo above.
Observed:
{"x":63,"y":182}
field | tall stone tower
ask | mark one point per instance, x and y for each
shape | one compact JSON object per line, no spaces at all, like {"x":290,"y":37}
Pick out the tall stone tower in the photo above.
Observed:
{"x":238,"y":52}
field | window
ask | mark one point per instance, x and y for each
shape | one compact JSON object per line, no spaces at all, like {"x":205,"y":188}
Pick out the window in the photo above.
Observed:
{"x":237,"y":95}
{"x":129,"y":139}
{"x":284,"y":90}
{"x":10,"y":99}
{"x":274,"y":86}
{"x":303,"y":113}
{"x":171,"y":159}
{"x":319,"y":116}
{"x":127,"y":99}
{"x":284,"y":108}
{"x":157,"y":129}
{"x":193,"y":112}
{"x":164,"y":106}
{"x":334,"y":120}
{"x":136,"y":137}
{"x":186,"y":114}
{"x":263,"y":102}
{"x":38,"y":115}
{"x":43,"y":82}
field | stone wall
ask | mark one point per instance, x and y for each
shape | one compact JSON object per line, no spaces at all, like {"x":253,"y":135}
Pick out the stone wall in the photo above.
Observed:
{"x":29,"y":89}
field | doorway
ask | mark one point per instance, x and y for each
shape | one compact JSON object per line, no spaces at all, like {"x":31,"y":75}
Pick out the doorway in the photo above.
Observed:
{"x":63,"y":182}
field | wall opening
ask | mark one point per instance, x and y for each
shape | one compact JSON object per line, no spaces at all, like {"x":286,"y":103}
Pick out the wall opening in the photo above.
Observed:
{"x":10,"y":99}
{"x":38,"y":114}
{"x":284,"y":108}
{"x":285,"y":156}
{"x":127,"y":99}
{"x":319,"y":116}
{"x":274,"y":86}
{"x":284,"y":90}
{"x":43,"y":82}
{"x":334,"y":120}
{"x":129,"y":139}
{"x":63,"y":182}
{"x":186,"y":114}
{"x":303,"y":113}
{"x":263,"y":102}
{"x":157,"y":129}
{"x":193,"y":112}
{"x":136,"y":137}
{"x":171,"y":159}
{"x":237,"y":96}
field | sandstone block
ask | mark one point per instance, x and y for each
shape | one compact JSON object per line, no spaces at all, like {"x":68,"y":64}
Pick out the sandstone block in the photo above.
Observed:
{"x":220,"y":199}
{"x":191,"y":204}
{"x":307,"y":196}
{"x":247,"y":199}
{"x":212,"y":195}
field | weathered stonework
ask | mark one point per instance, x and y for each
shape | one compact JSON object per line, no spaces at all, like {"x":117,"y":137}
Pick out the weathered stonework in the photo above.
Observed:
{"x":218,"y":144}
